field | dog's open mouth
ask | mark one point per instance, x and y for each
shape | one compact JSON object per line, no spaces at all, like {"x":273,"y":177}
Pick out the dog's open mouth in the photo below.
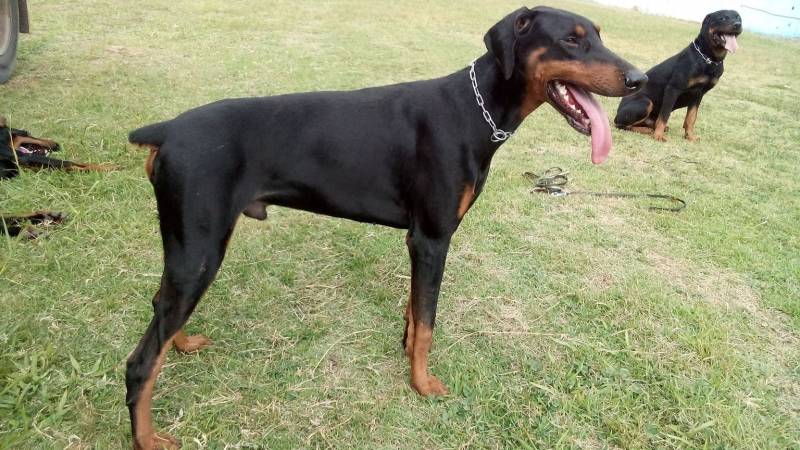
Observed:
{"x":584,"y":113}
{"x":726,"y":37}
{"x":30,"y":148}
{"x":33,"y":149}
{"x":729,"y":42}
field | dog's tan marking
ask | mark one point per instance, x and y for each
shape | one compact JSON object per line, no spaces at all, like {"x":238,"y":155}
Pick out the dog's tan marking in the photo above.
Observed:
{"x":466,"y":200}
{"x":146,"y":438}
{"x":533,"y":57}
{"x":18,"y":140}
{"x":702,"y":79}
{"x":601,"y":78}
{"x":658,"y":133}
{"x":580,"y":31}
{"x":422,"y":381}
{"x":189,"y":344}
{"x":644,"y":118}
{"x":532,"y":98}
{"x":688,"y":122}
{"x":148,"y":164}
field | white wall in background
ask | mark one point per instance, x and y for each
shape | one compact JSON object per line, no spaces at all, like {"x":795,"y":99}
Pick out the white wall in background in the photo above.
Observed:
{"x":761,"y":16}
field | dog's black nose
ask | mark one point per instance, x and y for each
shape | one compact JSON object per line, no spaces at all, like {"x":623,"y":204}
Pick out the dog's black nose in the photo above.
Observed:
{"x":635,"y":80}
{"x":737,"y":24}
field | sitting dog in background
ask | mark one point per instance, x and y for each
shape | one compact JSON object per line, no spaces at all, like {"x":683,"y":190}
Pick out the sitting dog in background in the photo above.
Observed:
{"x":682,"y":80}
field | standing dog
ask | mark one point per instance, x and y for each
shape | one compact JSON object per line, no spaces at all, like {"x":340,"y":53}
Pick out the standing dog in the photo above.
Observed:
{"x":682,"y":80}
{"x":413,"y":156}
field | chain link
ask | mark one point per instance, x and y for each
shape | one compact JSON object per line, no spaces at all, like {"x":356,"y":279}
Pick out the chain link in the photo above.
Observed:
{"x":498,"y":135}
{"x":705,"y":58}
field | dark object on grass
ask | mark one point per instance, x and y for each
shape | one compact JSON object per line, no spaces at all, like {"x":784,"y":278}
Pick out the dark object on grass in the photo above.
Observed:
{"x":682,"y":80}
{"x":19,"y":149}
{"x":553,"y":180}
{"x":13,"y":20}
{"x":412,"y":156}
{"x":32,"y":225}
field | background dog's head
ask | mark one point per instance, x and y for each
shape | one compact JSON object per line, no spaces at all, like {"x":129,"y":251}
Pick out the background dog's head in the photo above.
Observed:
{"x":720,"y":30}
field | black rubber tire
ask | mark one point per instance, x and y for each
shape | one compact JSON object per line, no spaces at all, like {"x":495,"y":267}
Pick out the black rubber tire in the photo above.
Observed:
{"x":9,"y":32}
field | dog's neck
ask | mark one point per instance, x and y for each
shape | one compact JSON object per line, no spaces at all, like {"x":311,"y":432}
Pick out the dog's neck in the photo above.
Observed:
{"x":707,"y":49}
{"x":502,"y":98}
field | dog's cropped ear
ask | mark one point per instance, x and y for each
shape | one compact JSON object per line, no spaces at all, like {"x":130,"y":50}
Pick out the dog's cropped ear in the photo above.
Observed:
{"x":706,"y":22}
{"x":501,"y":39}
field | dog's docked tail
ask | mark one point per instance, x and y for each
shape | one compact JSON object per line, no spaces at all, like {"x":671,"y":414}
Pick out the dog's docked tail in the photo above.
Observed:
{"x":150,"y":136}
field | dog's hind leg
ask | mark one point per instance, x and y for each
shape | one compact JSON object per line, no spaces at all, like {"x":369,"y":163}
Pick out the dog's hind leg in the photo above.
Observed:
{"x":195,"y":235}
{"x":633,"y":112}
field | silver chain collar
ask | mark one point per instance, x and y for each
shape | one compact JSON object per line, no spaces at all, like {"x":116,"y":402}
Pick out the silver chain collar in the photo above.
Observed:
{"x":498,"y":135}
{"x":705,"y":58}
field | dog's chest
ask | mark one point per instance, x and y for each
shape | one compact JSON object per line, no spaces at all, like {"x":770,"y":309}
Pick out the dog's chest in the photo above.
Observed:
{"x":704,"y":80}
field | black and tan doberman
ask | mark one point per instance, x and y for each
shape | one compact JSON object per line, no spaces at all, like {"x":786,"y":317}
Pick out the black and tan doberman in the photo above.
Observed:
{"x":413,"y":156}
{"x":682,"y":80}
{"x":19,"y":149}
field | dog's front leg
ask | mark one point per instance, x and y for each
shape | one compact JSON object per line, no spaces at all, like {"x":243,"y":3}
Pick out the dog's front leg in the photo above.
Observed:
{"x":428,"y":257}
{"x":691,"y":118}
{"x":667,"y":105}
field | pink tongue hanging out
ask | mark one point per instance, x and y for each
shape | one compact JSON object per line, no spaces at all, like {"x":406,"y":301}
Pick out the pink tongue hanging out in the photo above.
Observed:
{"x":601,"y":131}
{"x":730,"y":42}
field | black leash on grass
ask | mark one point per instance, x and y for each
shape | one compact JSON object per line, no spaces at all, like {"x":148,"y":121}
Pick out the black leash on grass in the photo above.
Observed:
{"x":553,"y":180}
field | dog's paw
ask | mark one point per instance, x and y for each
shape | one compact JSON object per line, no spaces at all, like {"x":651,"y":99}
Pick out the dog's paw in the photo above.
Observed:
{"x":691,"y":137}
{"x":166,"y":441}
{"x":429,"y":386}
{"x":191,"y":344}
{"x":660,"y":137}
{"x":158,"y":441}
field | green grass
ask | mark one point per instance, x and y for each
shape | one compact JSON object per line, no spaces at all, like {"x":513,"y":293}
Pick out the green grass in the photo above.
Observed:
{"x":572,"y":322}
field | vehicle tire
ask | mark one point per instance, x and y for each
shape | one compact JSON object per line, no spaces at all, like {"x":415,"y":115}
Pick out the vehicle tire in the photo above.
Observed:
{"x":9,"y":32}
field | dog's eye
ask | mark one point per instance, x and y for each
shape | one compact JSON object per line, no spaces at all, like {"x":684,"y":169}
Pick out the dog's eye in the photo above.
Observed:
{"x":572,"y":40}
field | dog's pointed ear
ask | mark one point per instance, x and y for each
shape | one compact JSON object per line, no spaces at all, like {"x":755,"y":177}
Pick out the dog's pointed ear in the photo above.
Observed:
{"x":706,"y":21}
{"x":501,"y":39}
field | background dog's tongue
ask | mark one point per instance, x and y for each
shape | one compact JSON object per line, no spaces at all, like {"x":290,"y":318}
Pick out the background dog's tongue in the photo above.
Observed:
{"x":730,"y":43}
{"x":601,"y":131}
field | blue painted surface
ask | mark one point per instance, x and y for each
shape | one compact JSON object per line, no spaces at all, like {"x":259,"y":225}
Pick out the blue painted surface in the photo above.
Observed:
{"x":774,"y":17}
